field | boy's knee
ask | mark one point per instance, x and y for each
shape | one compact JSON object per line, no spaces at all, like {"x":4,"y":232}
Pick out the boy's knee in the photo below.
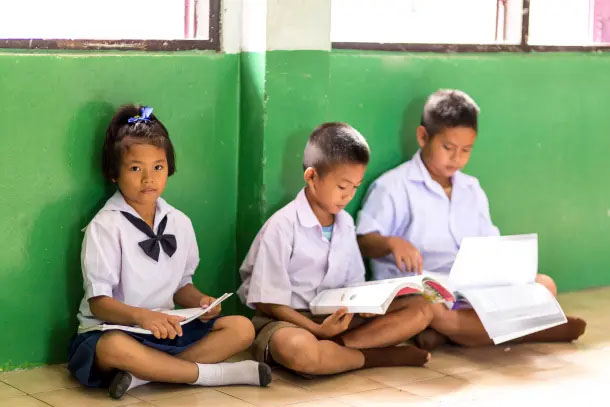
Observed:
{"x":424,"y":309}
{"x":297,"y":353}
{"x":548,"y":282}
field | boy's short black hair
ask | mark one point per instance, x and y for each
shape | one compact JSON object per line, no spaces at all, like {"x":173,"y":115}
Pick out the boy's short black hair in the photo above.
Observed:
{"x":335,"y":143}
{"x":121,"y":134}
{"x":448,"y":108}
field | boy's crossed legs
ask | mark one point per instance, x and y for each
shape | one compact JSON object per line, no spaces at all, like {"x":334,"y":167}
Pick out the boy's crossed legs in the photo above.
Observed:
{"x":198,"y":364}
{"x":368,"y":345}
{"x":465,"y":328}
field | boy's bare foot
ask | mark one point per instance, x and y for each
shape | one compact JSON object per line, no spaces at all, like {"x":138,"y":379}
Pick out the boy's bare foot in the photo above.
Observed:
{"x":395,"y":356}
{"x":429,"y":339}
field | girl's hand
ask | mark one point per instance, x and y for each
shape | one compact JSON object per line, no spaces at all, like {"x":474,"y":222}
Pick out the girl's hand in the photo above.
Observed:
{"x":405,"y":254}
{"x":162,"y":326}
{"x":334,"y":324}
{"x":367,"y":315}
{"x":213,"y":313}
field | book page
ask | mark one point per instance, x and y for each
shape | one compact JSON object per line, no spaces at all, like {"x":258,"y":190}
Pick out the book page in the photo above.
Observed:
{"x":495,"y":260}
{"x":509,"y":312}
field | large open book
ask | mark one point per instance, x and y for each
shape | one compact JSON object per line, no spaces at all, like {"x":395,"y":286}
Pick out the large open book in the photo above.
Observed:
{"x":189,"y":314}
{"x":375,"y":297}
{"x":494,"y":275}
{"x":497,"y":276}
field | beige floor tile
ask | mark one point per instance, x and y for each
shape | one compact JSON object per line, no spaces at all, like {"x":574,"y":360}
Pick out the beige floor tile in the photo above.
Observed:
{"x":320,"y":403}
{"x":441,"y":388}
{"x":40,"y":379}
{"x":22,"y":401}
{"x":278,"y":393}
{"x":157,"y":391}
{"x":501,"y":355}
{"x":206,"y":398}
{"x":7,"y":391}
{"x":493,"y":379}
{"x":451,"y":361}
{"x":332,"y":386}
{"x":83,"y":397}
{"x":387,"y":397}
{"x":398,"y":376}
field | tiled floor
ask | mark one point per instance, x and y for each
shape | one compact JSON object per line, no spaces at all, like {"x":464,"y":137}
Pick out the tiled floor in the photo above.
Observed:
{"x":515,"y":376}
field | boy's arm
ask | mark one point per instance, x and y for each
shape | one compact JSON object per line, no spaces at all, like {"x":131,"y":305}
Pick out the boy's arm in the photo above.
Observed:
{"x":374,"y":245}
{"x":406,"y":256}
{"x":333,"y":325}
{"x":285,"y":313}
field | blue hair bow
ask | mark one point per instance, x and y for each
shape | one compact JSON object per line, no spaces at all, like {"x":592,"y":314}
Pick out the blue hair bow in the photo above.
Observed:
{"x":144,"y":115}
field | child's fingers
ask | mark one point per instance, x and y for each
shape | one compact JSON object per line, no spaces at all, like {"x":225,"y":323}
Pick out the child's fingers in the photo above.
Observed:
{"x":156,"y":332}
{"x":419,"y":263}
{"x":336,"y":316}
{"x":171,"y":330}
{"x":398,"y":260}
{"x":346,"y":320}
{"x":408,"y":264}
{"x":162,"y":331}
{"x":176,"y":325}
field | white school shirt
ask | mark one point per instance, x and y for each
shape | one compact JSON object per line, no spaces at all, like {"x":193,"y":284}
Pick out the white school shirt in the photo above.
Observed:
{"x":114,"y":265}
{"x":408,"y":203}
{"x":290,"y":260}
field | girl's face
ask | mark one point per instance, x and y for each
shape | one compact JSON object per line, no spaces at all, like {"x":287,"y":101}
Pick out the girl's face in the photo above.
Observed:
{"x":142,"y":174}
{"x":447,"y":152}
{"x":334,"y":190}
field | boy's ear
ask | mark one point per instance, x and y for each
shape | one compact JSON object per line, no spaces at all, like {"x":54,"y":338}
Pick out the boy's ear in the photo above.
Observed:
{"x":422,"y":136}
{"x":309,"y":175}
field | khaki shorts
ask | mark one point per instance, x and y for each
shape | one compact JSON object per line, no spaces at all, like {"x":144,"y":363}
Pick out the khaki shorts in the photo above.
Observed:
{"x":266,"y":326}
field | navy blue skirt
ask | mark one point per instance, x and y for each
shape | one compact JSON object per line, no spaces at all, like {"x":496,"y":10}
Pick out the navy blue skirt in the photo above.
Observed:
{"x":81,"y":350}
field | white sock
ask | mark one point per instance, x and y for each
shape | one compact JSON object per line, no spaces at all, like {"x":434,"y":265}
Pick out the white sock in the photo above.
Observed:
{"x":135,"y":382}
{"x":246,"y":372}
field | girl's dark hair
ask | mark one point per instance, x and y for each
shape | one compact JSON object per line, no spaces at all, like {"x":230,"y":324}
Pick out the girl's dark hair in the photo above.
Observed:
{"x":121,"y":134}
{"x":449,"y":108}
{"x":335,"y":143}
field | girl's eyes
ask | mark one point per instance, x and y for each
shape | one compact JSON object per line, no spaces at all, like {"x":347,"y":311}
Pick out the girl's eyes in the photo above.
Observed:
{"x":341,"y":188}
{"x":134,"y":168}
{"x":158,"y":167}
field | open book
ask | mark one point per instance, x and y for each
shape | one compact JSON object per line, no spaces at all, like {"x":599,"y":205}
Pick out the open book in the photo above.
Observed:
{"x":189,"y":315}
{"x":494,"y":275}
{"x":497,"y":276}
{"x":375,"y":297}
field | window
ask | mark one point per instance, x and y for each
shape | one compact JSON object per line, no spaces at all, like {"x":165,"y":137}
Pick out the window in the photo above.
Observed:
{"x":139,"y":24}
{"x":426,"y":21}
{"x":569,"y":22}
{"x":471,"y":25}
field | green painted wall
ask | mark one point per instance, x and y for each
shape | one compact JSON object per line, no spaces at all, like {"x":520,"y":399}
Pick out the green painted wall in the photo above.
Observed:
{"x":541,"y":156}
{"x":239,"y":124}
{"x":54,"y":108}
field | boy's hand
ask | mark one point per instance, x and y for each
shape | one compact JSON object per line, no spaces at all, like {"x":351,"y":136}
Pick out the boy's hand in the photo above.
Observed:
{"x":162,"y":326}
{"x":213,"y":313}
{"x":367,"y":315}
{"x":334,"y":324}
{"x":405,"y":254}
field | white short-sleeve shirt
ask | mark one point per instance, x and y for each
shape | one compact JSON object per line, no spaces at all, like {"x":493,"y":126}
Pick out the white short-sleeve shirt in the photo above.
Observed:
{"x":291,"y":261}
{"x":114,"y":265}
{"x":407,"y":202}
